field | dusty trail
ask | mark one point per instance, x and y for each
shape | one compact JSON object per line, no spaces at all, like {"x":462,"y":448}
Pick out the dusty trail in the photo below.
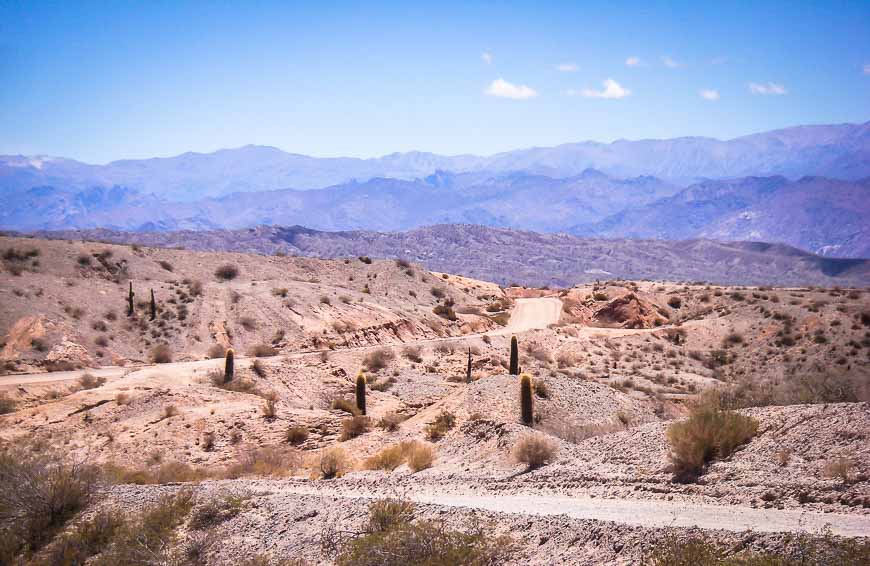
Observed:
{"x":651,"y":514}
{"x":528,"y":314}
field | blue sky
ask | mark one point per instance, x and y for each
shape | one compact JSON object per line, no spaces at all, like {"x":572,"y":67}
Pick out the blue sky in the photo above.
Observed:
{"x":99,"y":81}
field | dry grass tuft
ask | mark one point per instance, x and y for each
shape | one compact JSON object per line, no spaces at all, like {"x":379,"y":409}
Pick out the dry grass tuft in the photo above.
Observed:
{"x":534,"y":450}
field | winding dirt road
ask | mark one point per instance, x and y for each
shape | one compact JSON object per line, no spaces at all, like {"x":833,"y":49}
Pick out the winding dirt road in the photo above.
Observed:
{"x":651,"y":514}
{"x":528,"y":314}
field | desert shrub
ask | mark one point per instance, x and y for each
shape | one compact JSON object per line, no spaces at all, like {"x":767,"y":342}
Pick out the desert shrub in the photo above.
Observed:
{"x":150,"y":537}
{"x":539,"y":386}
{"x":161,"y":354}
{"x":390,"y":422}
{"x":333,"y":463}
{"x":534,"y":450}
{"x":600,"y":296}
{"x":803,"y":549}
{"x":165,"y":265}
{"x":378,"y":359}
{"x":420,"y":456}
{"x":423,"y":542}
{"x":839,"y":468}
{"x":296,"y":435}
{"x":248,"y":323}
{"x":675,"y":302}
{"x":346,"y":405}
{"x":388,"y":459}
{"x":413,"y":353}
{"x":7,"y":405}
{"x":217,"y":510}
{"x":280,"y":292}
{"x":385,"y":514}
{"x":445,"y":311}
{"x":262,"y":351}
{"x":354,"y":426}
{"x":86,"y":540}
{"x":443,"y":423}
{"x":708,"y":434}
{"x":259,"y":368}
{"x":272,"y":461}
{"x":39,"y":493}
{"x":227,"y":272}
{"x":365,"y":259}
{"x":216,"y":351}
{"x":89,"y":381}
{"x":437,"y":292}
{"x":325,"y":300}
{"x":382,"y":385}
{"x":84,"y":260}
{"x":270,"y":406}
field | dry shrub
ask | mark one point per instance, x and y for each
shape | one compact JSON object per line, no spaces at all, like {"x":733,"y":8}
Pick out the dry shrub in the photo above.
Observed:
{"x":390,"y":422}
{"x":272,"y":461}
{"x":413,"y":353}
{"x":86,"y":540}
{"x":248,"y":323}
{"x":442,"y":424}
{"x":259,"y":368}
{"x":39,"y":493}
{"x":216,"y":351}
{"x":708,"y":434}
{"x":839,"y":468}
{"x":89,"y":381}
{"x":297,"y":435}
{"x":378,"y":359}
{"x":534,"y":450}
{"x":7,"y":405}
{"x":169,"y":411}
{"x":417,"y":455}
{"x":262,"y":351}
{"x":161,"y":354}
{"x":226,"y":272}
{"x":346,"y":405}
{"x":333,"y":463}
{"x":391,"y":539}
{"x":219,"y":509}
{"x":354,"y":426}
{"x":270,"y":406}
{"x":170,"y":472}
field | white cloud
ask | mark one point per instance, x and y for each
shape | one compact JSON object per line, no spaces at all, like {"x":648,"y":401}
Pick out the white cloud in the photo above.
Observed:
{"x":487,"y":57}
{"x":867,"y":68}
{"x":567,"y":67}
{"x":504,"y":89}
{"x":767,"y":88}
{"x":670,"y":63}
{"x":709,"y":94}
{"x":612,"y":89}
{"x":632,"y":61}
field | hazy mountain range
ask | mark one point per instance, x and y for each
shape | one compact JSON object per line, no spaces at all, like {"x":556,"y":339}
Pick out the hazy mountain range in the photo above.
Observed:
{"x":528,"y":258}
{"x":805,"y":186}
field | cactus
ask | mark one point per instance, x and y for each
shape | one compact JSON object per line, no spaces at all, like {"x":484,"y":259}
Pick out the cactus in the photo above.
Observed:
{"x":526,"y":410}
{"x":229,"y":366}
{"x":153,"y":306}
{"x":515,"y":357}
{"x":361,"y":392}
{"x":468,"y":368}
{"x":130,"y":300}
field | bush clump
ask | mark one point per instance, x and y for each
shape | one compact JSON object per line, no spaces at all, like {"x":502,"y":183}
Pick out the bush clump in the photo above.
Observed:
{"x":226,"y":272}
{"x":161,"y":354}
{"x":354,"y":426}
{"x":534,"y":450}
{"x":708,"y":434}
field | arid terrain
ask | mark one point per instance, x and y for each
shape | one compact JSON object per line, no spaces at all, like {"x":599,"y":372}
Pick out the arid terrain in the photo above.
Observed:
{"x":667,"y":420}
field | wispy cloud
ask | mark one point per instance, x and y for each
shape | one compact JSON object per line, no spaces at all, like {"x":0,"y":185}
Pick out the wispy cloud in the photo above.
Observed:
{"x":504,"y":89}
{"x":867,"y":68}
{"x":767,"y":88}
{"x":612,"y":89}
{"x":709,"y":94}
{"x":670,"y":63}
{"x":567,"y":67}
{"x":487,"y":57}
{"x":633,"y":61}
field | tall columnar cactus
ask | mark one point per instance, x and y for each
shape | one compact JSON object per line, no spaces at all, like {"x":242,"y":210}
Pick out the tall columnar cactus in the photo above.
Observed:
{"x":229,"y":365}
{"x":361,"y":392}
{"x":515,"y":357}
{"x":130,"y":300}
{"x":468,"y":368}
{"x":526,"y":410}
{"x":153,"y":306}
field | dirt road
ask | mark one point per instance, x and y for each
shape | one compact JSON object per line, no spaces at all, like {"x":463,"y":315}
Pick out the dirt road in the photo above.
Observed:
{"x":528,"y":314}
{"x":633,"y":512}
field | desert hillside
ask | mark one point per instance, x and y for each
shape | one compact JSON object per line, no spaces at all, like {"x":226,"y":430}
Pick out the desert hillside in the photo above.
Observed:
{"x":282,"y":462}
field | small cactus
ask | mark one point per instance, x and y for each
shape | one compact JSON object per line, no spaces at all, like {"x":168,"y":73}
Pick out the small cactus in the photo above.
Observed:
{"x":526,"y":410}
{"x":153,"y":306}
{"x":229,"y":366}
{"x":361,"y":392}
{"x":468,"y":368}
{"x":130,"y":296}
{"x":515,"y":357}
